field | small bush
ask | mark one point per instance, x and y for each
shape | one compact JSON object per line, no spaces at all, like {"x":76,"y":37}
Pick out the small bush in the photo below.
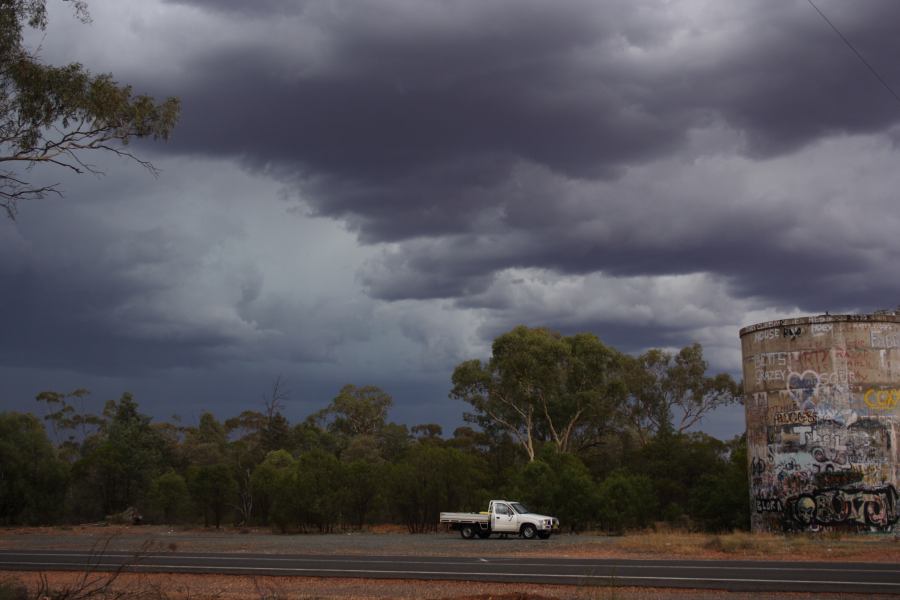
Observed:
{"x":729,"y":544}
{"x":13,"y":589}
{"x":626,"y":502}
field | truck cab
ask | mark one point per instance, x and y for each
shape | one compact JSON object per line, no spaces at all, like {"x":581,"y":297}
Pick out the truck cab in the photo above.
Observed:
{"x":504,"y":518}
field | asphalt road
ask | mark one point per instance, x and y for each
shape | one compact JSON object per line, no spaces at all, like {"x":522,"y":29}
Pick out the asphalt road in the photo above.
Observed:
{"x":726,"y":575}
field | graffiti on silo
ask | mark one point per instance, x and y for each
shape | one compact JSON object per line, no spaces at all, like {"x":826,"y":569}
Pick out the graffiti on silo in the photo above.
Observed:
{"x":822,"y":401}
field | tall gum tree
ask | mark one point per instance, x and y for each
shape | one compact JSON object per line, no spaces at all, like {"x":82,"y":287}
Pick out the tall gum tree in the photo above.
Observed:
{"x":540,"y":387}
{"x":58,"y":116}
{"x":673,"y":391}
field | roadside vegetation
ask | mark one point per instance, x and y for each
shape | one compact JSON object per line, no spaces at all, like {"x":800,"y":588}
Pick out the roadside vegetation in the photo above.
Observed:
{"x":565,"y":424}
{"x":742,"y":544}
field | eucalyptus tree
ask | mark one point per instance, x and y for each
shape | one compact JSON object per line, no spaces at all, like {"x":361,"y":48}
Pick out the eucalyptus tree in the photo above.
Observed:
{"x":542,"y":387}
{"x":673,"y":391}
{"x":59,"y":115}
{"x":32,"y":478}
{"x":119,"y":461}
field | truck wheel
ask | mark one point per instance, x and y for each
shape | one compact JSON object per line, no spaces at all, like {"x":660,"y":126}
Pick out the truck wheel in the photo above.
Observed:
{"x":528,"y":531}
{"x":467,"y":532}
{"x":544,"y":535}
{"x":484,"y":534}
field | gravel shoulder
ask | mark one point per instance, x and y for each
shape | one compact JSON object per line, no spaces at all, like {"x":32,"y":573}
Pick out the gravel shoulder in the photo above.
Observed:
{"x":157,"y":538}
{"x":395,"y":542}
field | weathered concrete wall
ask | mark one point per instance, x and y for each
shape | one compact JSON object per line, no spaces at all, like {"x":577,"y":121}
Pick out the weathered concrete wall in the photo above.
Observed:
{"x":822,"y":399}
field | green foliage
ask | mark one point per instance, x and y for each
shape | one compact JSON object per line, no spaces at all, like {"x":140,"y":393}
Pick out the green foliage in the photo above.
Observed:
{"x":363,"y":448}
{"x":364,"y":487}
{"x":427,"y":432}
{"x":558,"y":432}
{"x":15,"y":14}
{"x":559,"y":485}
{"x":539,"y":387}
{"x":213,"y":490}
{"x":393,"y":441}
{"x":261,"y":433}
{"x":13,"y":589}
{"x":430,"y":478}
{"x":676,"y":464}
{"x":307,"y":436}
{"x":276,"y":433}
{"x":673,"y":391}
{"x":207,"y":443}
{"x":720,"y":501}
{"x":119,"y":462}
{"x":63,"y":415}
{"x":268,"y":484}
{"x":32,"y":478}
{"x":53,"y":115}
{"x":168,"y":497}
{"x":319,"y":488}
{"x":311,"y":494}
{"x":627,"y":501}
{"x":357,"y":411}
{"x":356,"y":422}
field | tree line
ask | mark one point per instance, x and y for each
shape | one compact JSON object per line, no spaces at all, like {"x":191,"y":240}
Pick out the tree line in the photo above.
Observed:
{"x":566,"y":424}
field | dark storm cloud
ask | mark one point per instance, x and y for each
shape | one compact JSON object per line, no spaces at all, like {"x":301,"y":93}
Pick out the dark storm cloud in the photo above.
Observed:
{"x":259,"y":8}
{"x":556,"y":85}
{"x":71,"y":298}
{"x":131,"y":275}
{"x":411,"y":119}
{"x":627,"y":337}
{"x":395,"y":112}
{"x":763,"y":252}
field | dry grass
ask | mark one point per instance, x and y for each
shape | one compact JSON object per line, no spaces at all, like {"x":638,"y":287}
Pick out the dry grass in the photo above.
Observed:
{"x":762,"y":546}
{"x":214,"y":587}
{"x":386,"y":528}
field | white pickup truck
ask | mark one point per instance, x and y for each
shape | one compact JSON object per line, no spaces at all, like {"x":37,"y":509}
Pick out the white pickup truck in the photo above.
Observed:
{"x":502,"y":516}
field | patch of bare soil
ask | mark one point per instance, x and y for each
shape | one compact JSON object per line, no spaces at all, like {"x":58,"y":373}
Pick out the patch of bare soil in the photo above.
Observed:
{"x":214,"y":587}
{"x":746,"y":546}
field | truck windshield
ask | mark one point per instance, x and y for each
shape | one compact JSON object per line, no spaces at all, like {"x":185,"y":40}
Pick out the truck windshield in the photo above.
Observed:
{"x":520,"y":508}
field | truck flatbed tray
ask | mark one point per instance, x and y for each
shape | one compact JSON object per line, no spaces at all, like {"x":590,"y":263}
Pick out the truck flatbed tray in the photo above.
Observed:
{"x":457,"y":517}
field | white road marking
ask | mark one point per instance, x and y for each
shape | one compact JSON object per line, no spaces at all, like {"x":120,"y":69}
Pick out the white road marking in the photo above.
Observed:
{"x":388,"y":560}
{"x":581,"y":577}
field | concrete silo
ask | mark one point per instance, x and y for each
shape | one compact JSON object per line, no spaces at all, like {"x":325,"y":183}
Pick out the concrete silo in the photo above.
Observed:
{"x":822,"y":400}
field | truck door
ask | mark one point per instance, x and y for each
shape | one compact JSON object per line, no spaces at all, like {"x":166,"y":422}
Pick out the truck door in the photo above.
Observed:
{"x":505,"y":519}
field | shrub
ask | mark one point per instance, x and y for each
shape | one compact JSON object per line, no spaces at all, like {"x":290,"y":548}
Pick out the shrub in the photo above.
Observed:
{"x":627,"y":501}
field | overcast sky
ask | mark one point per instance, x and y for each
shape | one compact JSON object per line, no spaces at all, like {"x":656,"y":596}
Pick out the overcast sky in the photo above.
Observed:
{"x":369,"y":191}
